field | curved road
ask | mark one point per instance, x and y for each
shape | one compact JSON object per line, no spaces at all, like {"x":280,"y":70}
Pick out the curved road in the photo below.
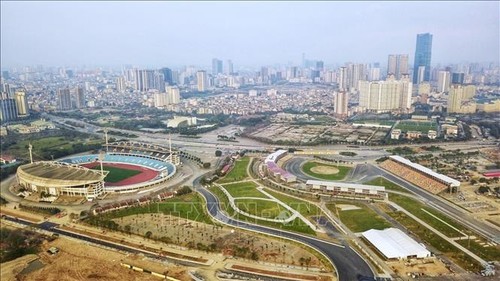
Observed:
{"x":349,"y":265}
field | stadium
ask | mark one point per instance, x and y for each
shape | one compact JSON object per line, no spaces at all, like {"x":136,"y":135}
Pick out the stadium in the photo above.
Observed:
{"x":125,"y":167}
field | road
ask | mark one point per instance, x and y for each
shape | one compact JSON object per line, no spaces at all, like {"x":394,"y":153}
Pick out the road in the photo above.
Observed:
{"x":447,"y":208}
{"x":349,"y":265}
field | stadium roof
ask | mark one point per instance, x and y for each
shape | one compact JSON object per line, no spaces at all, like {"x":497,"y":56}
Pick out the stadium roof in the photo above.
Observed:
{"x":54,"y":174}
{"x":448,"y":180}
{"x":275,"y":155}
{"x":345,"y":185}
{"x":394,"y":243}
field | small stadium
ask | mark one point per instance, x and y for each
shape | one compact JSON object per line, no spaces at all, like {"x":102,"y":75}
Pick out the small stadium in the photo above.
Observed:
{"x":126,"y":167}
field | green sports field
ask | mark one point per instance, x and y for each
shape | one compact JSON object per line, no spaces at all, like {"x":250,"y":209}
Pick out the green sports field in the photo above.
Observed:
{"x":343,"y":170}
{"x":422,"y":127}
{"x":117,"y":174}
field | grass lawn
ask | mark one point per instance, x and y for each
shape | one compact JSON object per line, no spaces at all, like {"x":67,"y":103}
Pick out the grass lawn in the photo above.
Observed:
{"x":190,"y":206}
{"x":296,"y":225}
{"x":437,"y":242}
{"x":361,"y":219}
{"x":244,"y":189}
{"x":261,"y":208}
{"x":238,"y":172}
{"x":343,"y":170}
{"x":491,"y":253}
{"x":423,"y":127}
{"x":415,"y":207}
{"x":389,"y":185}
{"x":117,"y":174}
{"x":305,"y":208}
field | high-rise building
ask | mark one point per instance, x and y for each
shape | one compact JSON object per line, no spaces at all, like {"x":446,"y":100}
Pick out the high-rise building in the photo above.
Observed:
{"x":341,"y":100}
{"x":443,"y":81}
{"x":8,"y":110}
{"x":120,"y":84}
{"x":21,"y":103}
{"x":397,"y":65}
{"x":342,"y":79}
{"x":458,"y":95}
{"x":202,"y":80}
{"x":173,"y":95}
{"x":216,"y":66}
{"x":64,"y":99}
{"x":167,"y":75}
{"x":423,"y":53}
{"x":5,"y":75}
{"x":374,"y":73}
{"x":160,"y":99}
{"x":384,"y":96}
{"x":80,"y":97}
{"x":457,"y":78}
{"x":229,"y":67}
{"x":320,"y":65}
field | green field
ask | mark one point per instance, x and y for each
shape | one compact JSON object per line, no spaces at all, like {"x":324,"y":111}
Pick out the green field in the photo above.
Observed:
{"x":415,"y":207}
{"x":305,"y":208}
{"x":297,"y":225}
{"x":389,"y":185}
{"x":359,"y":220}
{"x":190,"y":206}
{"x":238,"y":172}
{"x":261,"y":208}
{"x":343,"y":170}
{"x":244,"y":189}
{"x":422,"y":127}
{"x":117,"y":174}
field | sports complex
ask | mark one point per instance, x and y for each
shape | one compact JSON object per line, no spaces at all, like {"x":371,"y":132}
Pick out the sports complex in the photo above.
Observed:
{"x":125,"y":167}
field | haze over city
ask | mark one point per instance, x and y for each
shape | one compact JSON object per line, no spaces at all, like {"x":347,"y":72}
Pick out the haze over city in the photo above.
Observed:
{"x":153,"y":34}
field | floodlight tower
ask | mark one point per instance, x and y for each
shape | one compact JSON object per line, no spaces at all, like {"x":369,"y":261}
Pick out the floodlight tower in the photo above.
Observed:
{"x":101,"y":157}
{"x":170,"y":147}
{"x":30,"y":148}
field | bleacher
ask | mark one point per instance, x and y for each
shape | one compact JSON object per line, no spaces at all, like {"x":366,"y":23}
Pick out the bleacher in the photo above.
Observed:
{"x":125,"y":159}
{"x":414,"y":176}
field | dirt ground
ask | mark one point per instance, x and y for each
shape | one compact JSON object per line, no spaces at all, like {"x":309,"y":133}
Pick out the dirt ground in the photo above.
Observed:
{"x":78,"y":261}
{"x":324,"y":170}
{"x":9,"y":270}
{"x":184,"y":232}
{"x":429,"y":267}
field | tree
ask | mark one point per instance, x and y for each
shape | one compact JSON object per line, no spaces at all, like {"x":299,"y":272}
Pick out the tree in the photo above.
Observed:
{"x":148,"y":234}
{"x":218,"y":153}
{"x":473,"y":181}
{"x":206,"y":165}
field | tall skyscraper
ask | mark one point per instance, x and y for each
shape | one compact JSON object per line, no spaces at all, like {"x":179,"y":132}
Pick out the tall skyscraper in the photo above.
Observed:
{"x":457,"y":78}
{"x":21,"y":103}
{"x":423,"y":52}
{"x":63,"y":99}
{"x":173,"y":95}
{"x":443,"y":81}
{"x":216,"y":66}
{"x":120,"y":84}
{"x":341,"y":100}
{"x":384,"y":96}
{"x":374,"y":72}
{"x":8,"y":110}
{"x":397,"y":65}
{"x":80,"y":97}
{"x":229,"y":67}
{"x":202,"y":80}
{"x":167,"y":75}
{"x":342,"y":79}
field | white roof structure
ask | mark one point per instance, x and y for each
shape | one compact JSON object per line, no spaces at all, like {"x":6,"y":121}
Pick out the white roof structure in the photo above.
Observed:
{"x":395,"y":244}
{"x":449,"y":181}
{"x":344,"y":186}
{"x":275,"y":155}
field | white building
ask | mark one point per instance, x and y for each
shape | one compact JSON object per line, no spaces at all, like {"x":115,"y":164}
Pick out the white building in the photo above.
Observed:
{"x":395,"y":244}
{"x":385,"y":96}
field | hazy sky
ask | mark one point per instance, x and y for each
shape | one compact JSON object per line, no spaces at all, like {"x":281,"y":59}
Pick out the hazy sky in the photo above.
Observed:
{"x":250,"y":33}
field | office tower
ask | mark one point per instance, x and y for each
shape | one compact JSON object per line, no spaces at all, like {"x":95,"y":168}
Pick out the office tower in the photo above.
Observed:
{"x":457,"y":78}
{"x":167,"y":75}
{"x":63,"y":99}
{"x":443,"y":81}
{"x":202,"y":81}
{"x":229,"y":67}
{"x":8,"y":110}
{"x":320,"y":65}
{"x":173,"y":95}
{"x":397,"y":65}
{"x":21,"y":103}
{"x":341,"y":100}
{"x":342,"y":79}
{"x":216,"y":66}
{"x":120,"y":84}
{"x":383,"y":96}
{"x":420,"y":74}
{"x":158,"y":82}
{"x":80,"y":97}
{"x":264,"y":74}
{"x":6,"y":91}
{"x":423,"y":52}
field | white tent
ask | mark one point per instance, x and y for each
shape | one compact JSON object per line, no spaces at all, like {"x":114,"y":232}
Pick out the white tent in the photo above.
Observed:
{"x":395,"y":244}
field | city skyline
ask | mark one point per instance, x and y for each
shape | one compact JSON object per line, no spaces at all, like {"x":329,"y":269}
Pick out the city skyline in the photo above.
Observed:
{"x":249,"y":34}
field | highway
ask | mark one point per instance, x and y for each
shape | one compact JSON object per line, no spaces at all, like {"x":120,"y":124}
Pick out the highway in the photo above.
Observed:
{"x":349,"y":265}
